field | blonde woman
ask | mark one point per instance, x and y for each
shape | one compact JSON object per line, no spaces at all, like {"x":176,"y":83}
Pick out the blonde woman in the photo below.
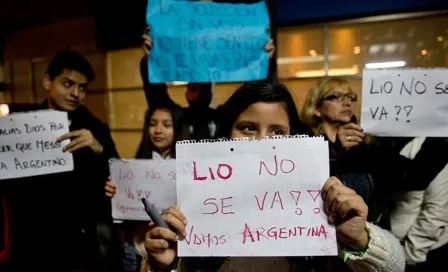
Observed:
{"x":328,"y":110}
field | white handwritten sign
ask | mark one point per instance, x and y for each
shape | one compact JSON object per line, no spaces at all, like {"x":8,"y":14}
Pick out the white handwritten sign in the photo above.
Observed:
{"x":254,"y":198}
{"x":28,"y":144}
{"x":154,"y":180}
{"x":405,"y":102}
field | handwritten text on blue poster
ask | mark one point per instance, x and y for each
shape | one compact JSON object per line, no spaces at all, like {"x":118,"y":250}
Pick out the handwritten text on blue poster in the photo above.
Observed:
{"x":207,"y":42}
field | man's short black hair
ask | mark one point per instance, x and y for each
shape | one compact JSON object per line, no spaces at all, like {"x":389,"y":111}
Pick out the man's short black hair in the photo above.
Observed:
{"x":70,"y":60}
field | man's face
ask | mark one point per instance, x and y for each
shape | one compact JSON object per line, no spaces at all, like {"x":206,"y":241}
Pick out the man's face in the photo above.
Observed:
{"x":67,"y":91}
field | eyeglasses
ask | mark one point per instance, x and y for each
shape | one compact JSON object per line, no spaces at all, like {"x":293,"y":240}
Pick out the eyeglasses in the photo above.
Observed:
{"x":337,"y":96}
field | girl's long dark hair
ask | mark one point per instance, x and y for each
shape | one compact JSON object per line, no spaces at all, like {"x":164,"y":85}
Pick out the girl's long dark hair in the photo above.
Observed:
{"x":254,"y":92}
{"x":246,"y":95}
{"x":179,"y":125}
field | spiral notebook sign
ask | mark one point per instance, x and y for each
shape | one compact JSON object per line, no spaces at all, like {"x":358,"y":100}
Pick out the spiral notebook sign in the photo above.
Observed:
{"x":254,"y":198}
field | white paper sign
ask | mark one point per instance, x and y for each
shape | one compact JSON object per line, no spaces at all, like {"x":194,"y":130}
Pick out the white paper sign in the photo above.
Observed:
{"x":28,"y":144}
{"x":154,"y":180}
{"x":405,"y":102}
{"x":254,"y":198}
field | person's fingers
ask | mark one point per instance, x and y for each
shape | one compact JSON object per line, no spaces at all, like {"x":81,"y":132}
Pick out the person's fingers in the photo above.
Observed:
{"x":77,"y":146}
{"x":270,"y":45}
{"x":352,"y":205}
{"x":147,"y":40}
{"x":110,"y":187}
{"x":356,"y":138}
{"x":147,"y":44}
{"x":75,"y":133}
{"x":173,"y":221}
{"x":336,"y":204}
{"x":175,"y":218}
{"x":72,"y":144}
{"x":156,"y":239}
{"x":270,"y":48}
{"x":351,"y":132}
{"x":176,"y":212}
{"x":163,"y":233}
{"x":352,"y":125}
{"x":349,"y":140}
{"x":330,"y":182}
{"x":332,"y":192}
{"x":156,"y":245}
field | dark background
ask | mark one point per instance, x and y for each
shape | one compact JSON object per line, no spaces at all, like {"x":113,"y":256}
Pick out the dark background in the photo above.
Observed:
{"x":119,"y":23}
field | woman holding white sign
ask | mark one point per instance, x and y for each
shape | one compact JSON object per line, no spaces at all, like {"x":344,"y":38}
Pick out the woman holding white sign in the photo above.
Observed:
{"x":164,"y":126}
{"x":259,"y":110}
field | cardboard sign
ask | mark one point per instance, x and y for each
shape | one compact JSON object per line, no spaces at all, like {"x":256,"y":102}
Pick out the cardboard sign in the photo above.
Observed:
{"x":254,"y":198}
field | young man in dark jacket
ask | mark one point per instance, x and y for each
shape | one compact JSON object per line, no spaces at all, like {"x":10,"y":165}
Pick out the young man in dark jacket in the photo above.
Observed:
{"x":55,"y":218}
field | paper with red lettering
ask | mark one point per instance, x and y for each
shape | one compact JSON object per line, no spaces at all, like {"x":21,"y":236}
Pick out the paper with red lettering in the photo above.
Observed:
{"x":254,"y":198}
{"x":154,"y":180}
{"x":29,"y":147}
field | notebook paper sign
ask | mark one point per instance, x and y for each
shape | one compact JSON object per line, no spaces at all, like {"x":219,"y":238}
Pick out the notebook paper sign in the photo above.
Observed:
{"x":254,"y":198}
{"x":154,"y":180}
{"x":207,"y":42}
{"x":405,"y":102}
{"x":28,"y":145}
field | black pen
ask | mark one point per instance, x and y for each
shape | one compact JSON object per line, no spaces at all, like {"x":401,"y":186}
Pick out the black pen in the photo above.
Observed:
{"x":153,"y":214}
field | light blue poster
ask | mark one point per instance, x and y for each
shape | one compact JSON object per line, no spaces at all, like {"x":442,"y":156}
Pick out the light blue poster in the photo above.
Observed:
{"x":207,"y":42}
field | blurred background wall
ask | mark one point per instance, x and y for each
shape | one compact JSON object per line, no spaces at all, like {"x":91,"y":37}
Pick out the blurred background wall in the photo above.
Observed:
{"x":315,"y":39}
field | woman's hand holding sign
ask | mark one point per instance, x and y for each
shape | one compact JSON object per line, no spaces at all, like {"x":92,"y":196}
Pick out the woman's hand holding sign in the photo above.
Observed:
{"x":147,"y":41}
{"x":343,"y":206}
{"x":270,"y":48}
{"x":348,"y":212}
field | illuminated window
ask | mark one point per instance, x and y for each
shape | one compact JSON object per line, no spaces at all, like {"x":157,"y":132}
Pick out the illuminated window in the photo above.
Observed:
{"x":353,"y":46}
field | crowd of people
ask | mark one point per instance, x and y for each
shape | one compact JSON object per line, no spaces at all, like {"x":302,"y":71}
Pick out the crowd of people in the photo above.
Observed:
{"x":387,"y":197}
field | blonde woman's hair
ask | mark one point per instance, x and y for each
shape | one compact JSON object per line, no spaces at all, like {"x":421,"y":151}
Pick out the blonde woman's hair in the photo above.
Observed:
{"x":315,"y":97}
